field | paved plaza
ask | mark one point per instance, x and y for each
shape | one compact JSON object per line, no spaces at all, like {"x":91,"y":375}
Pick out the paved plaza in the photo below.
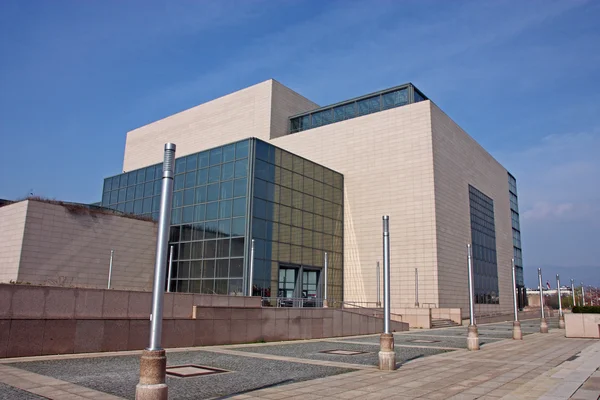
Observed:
{"x":433,"y":364}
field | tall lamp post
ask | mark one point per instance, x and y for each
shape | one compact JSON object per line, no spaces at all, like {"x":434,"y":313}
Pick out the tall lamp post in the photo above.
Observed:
{"x":325,"y":266}
{"x":378,"y":272}
{"x":582,"y":295}
{"x":387,"y":355}
{"x":543,"y":322}
{"x":153,"y":363}
{"x":573,"y":291}
{"x":561,"y":317}
{"x":517,"y":333}
{"x":473,"y":333}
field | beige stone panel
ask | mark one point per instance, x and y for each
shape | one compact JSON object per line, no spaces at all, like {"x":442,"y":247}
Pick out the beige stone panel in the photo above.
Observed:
{"x":63,"y":247}
{"x":233,"y":117}
{"x":285,"y":103}
{"x":12,"y":225}
{"x":459,"y":162}
{"x":386,"y":159}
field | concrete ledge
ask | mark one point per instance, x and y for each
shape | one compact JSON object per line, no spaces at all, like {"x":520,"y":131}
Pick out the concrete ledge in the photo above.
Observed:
{"x":582,"y":326}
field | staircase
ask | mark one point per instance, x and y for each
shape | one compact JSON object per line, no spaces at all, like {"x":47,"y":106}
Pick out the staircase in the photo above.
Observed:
{"x":443,"y":323}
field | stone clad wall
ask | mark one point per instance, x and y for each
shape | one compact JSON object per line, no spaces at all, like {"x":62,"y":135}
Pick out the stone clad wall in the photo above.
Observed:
{"x":38,"y":320}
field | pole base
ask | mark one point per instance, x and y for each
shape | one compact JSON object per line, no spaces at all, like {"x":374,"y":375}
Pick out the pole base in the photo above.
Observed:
{"x":543,"y":326}
{"x":387,"y":355}
{"x":153,"y":369}
{"x":325,"y":304}
{"x":473,"y":338}
{"x":517,"y":333}
{"x":378,"y":304}
{"x":561,"y":321}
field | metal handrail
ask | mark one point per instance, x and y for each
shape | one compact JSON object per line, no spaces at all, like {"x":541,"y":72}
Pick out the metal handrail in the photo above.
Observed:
{"x":295,"y":302}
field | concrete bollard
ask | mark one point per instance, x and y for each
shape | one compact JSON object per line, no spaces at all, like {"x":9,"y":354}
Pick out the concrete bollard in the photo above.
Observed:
{"x":473,"y":338}
{"x":561,"y":321}
{"x":152,"y":385}
{"x":387,"y":355}
{"x":517,"y":332}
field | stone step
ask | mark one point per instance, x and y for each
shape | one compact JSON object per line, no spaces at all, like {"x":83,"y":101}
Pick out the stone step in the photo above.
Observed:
{"x":443,"y":323}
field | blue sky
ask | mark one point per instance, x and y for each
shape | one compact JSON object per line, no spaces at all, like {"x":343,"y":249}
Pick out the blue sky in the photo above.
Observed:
{"x":521,"y":77}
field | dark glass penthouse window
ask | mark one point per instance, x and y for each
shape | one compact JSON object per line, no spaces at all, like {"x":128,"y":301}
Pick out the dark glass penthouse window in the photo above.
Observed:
{"x":483,"y":238}
{"x":384,"y":100}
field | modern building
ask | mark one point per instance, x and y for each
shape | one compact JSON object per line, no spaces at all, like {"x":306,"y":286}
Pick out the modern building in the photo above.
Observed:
{"x":267,"y":164}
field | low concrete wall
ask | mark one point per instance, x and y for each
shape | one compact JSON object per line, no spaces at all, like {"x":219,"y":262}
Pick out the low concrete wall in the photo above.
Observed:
{"x":530,"y":314}
{"x":38,"y":320}
{"x":30,"y":302}
{"x":582,"y":325}
{"x":415,"y":317}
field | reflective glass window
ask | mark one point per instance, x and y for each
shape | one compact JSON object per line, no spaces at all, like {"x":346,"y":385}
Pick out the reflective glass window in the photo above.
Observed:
{"x":225,"y":209}
{"x":201,"y":194}
{"x":212,"y":210}
{"x":216,"y":156}
{"x":227,"y":171}
{"x":213,"y":192}
{"x":191,"y":162}
{"x":214,"y":173}
{"x":226,"y":190}
{"x":239,"y":207}
{"x":238,"y":227}
{"x":180,"y":165}
{"x":241,"y":149}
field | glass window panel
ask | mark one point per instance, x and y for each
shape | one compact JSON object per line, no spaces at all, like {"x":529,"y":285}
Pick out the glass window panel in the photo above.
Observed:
{"x":201,"y":194}
{"x":237,"y":247}
{"x":227,"y":171}
{"x":178,"y":199}
{"x":123,"y":181}
{"x":259,"y":248}
{"x":216,"y":156}
{"x":260,"y":188}
{"x":129,"y":207}
{"x":147,"y":206}
{"x":156,"y":187}
{"x":202,"y":177}
{"x":121,"y":195}
{"x":368,"y":106}
{"x":210,"y":248}
{"x":221,"y":286}
{"x":395,"y":99}
{"x":343,"y":112}
{"x":225,"y":209}
{"x":295,"y":125}
{"x":241,"y":149}
{"x":238,"y":227}
{"x":130,"y":194}
{"x":285,"y":214}
{"x":236,"y":267}
{"x":285,"y":232}
{"x":196,"y":269}
{"x":190,"y":179}
{"x":180,"y":165}
{"x":188,"y":197}
{"x":239,"y":207}
{"x":121,"y":207}
{"x":213,"y":192}
{"x":174,"y":234}
{"x":179,"y":182}
{"x":138,"y":207}
{"x":418,"y":97}
{"x":260,"y":208}
{"x":212,"y":210}
{"x":106,"y":199}
{"x":210,"y":229}
{"x":197,"y":250}
{"x":225,"y":228}
{"x":305,"y":122}
{"x":226,"y":190}
{"x":114,"y":197}
{"x":223,"y":248}
{"x":259,"y":228}
{"x":209,"y":269}
{"x":188,"y":214}
{"x":191,"y":162}
{"x":222,"y":269}
{"x":229,"y":152}
{"x":214,"y":173}
{"x":185,"y":250}
{"x":155,"y":203}
{"x":203,"y":159}
{"x":176,"y":216}
{"x":240,"y":187}
{"x":198,"y":232}
{"x":208,"y":286}
{"x":262,"y":150}
{"x":139,"y":191}
{"x":241,"y":168}
{"x":141,"y":176}
{"x":199,"y":212}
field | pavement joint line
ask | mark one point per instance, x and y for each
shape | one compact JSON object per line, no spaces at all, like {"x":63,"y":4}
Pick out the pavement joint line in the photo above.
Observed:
{"x":291,"y":359}
{"x":47,"y":387}
{"x":397,"y":345}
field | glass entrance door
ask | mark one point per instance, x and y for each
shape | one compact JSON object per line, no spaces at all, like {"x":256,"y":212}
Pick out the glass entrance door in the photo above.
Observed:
{"x":287,"y":286}
{"x":310,"y":286}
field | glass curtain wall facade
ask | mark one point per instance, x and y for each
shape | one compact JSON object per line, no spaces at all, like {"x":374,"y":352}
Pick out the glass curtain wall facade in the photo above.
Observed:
{"x":516,"y":232}
{"x":226,"y":196}
{"x":297,"y":216}
{"x":483,"y":238}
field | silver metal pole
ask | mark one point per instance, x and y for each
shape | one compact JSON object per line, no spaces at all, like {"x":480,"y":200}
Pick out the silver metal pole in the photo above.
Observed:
{"x":164,"y":220}
{"x":514,"y":281}
{"x":471,"y":294}
{"x":251,"y":274}
{"x":386,"y":274}
{"x":582,"y":295}
{"x":560,"y":311}
{"x":416,"y":287}
{"x":573,"y":292}
{"x":170,"y":269}
{"x":325,"y":267}
{"x":110,"y":265}
{"x":541,"y":291}
{"x":378,"y":304}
